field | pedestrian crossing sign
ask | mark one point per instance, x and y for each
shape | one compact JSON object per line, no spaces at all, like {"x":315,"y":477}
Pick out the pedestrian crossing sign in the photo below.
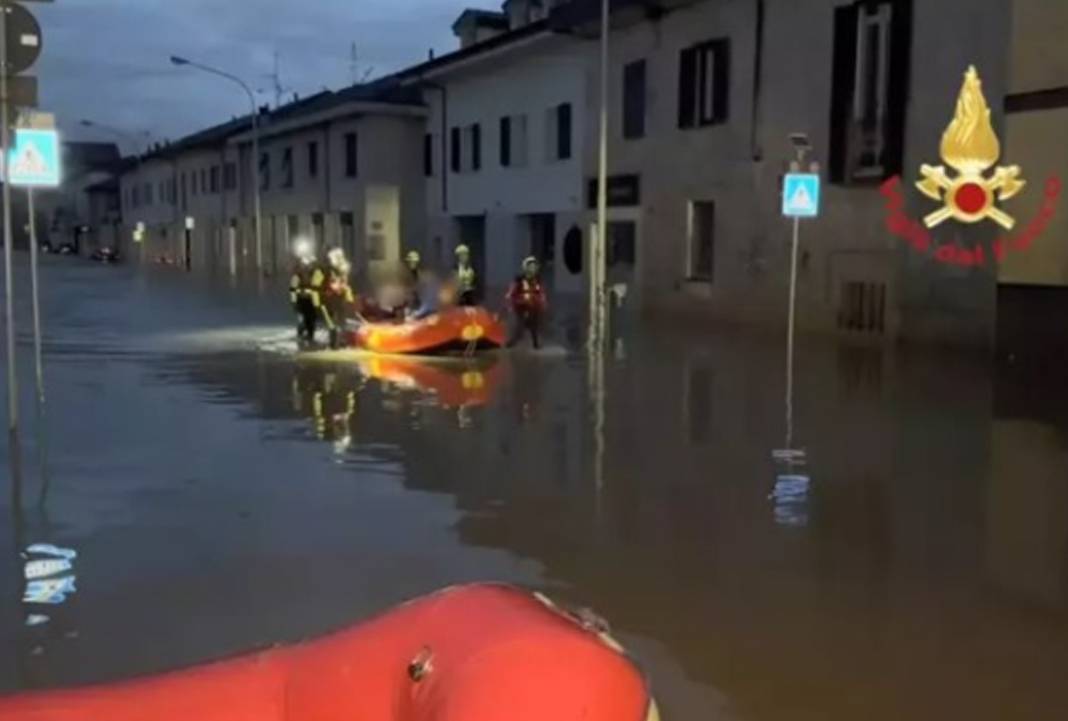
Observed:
{"x":801,"y":195}
{"x":34,"y":161}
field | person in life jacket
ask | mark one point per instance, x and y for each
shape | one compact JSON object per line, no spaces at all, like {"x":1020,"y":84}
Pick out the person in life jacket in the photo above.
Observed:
{"x":526,"y":297}
{"x":305,"y":291}
{"x":464,"y":276}
{"x":338,"y":299}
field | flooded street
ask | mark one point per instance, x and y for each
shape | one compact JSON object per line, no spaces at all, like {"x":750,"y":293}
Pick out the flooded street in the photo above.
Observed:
{"x":223,"y":494}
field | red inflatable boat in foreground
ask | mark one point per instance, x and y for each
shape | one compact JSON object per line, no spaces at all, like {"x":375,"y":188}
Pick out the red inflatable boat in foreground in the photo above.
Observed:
{"x":472,"y":653}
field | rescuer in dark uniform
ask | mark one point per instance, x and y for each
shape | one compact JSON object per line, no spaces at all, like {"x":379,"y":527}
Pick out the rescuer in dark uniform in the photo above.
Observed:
{"x":526,"y":297}
{"x":305,"y":292}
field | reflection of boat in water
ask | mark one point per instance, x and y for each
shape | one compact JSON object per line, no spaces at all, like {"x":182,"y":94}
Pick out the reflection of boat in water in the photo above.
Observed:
{"x":471,"y":653}
{"x":454,"y":384}
{"x":451,"y":329}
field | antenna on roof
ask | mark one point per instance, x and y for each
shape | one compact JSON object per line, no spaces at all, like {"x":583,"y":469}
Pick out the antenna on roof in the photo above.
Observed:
{"x":276,"y":82}
{"x":354,"y":64}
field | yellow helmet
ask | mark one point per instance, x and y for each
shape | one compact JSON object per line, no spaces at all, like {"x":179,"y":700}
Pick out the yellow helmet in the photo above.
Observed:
{"x":412,"y":256}
{"x":463,"y":250}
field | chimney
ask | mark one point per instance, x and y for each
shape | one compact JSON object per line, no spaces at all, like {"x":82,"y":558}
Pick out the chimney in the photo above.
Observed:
{"x":430,"y":54}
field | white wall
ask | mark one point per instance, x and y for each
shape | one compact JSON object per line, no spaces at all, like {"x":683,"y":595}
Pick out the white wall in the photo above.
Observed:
{"x":531,"y":80}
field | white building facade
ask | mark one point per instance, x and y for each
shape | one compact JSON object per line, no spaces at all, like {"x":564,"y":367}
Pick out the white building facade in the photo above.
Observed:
{"x":504,"y":150}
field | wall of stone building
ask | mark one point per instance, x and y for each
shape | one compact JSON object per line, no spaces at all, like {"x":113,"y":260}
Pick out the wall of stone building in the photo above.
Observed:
{"x":738,"y":166}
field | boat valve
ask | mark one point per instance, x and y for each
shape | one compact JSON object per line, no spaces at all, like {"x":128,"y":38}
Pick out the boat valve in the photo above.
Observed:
{"x":421,"y":665}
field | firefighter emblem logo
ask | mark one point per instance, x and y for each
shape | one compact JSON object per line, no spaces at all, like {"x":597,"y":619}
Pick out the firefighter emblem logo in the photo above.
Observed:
{"x":971,"y":148}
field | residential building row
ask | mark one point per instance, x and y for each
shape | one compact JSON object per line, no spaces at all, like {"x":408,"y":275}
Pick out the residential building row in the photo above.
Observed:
{"x":495,"y":145}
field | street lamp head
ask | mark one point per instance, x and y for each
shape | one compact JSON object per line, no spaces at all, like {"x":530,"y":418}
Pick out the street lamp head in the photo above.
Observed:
{"x":178,"y":60}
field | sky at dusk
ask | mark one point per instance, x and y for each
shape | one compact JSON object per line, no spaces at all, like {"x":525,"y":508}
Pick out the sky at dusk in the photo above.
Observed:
{"x":108,"y":60}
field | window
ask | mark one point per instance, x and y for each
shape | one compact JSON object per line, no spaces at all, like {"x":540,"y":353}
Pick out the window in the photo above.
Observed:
{"x":506,"y":141}
{"x":704,"y":80}
{"x":162,"y":193}
{"x":869,"y":90}
{"x":313,"y":159}
{"x":148,"y":193}
{"x":185,"y":196}
{"x":230,"y":176}
{"x":265,"y":171}
{"x":702,"y":240}
{"x":428,"y":155}
{"x":350,"y":155}
{"x":215,"y":178}
{"x":203,"y":181}
{"x":454,"y":150}
{"x":634,"y":100}
{"x":173,"y":191}
{"x":513,"y":141}
{"x":287,"y":167}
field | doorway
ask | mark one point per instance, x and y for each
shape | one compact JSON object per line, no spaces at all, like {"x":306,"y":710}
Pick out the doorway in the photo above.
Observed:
{"x":543,"y":244}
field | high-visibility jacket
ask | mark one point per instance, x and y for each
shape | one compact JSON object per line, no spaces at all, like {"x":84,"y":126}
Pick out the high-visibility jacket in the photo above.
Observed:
{"x":307,"y":281}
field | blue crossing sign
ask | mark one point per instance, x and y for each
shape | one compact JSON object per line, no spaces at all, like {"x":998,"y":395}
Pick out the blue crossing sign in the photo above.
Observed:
{"x":801,"y":195}
{"x":34,"y":161}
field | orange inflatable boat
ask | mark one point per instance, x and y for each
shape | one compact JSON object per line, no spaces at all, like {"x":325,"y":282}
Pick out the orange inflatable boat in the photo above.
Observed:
{"x":472,"y":653}
{"x":454,"y":385}
{"x":450,"y":329}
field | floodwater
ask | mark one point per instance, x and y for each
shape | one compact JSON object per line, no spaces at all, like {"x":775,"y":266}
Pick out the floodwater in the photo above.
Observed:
{"x":222,"y":494}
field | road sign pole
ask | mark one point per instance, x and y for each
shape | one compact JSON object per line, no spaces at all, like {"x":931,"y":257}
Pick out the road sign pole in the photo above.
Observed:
{"x":790,"y":335}
{"x":35,"y":286}
{"x":9,"y":298}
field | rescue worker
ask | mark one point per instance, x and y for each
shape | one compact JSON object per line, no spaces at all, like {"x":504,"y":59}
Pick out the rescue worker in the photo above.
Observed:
{"x":338,"y":298}
{"x":413,"y":268}
{"x":526,"y":297}
{"x":464,"y":276}
{"x":305,"y":292}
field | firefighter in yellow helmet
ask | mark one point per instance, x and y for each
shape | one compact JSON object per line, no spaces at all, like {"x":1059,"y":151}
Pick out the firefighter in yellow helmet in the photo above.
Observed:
{"x":464,"y":277}
{"x":305,"y":291}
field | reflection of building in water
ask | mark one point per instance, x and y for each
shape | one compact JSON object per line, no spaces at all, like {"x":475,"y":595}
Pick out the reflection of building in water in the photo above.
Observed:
{"x":1027,"y":511}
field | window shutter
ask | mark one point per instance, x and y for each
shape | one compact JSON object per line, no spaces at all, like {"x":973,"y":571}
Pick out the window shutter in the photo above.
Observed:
{"x":843,"y":78}
{"x":454,"y":149}
{"x":687,"y":87}
{"x":506,"y":141}
{"x":476,"y":146}
{"x":428,"y":155}
{"x":721,"y":81}
{"x":897,"y":97}
{"x":563,"y":131}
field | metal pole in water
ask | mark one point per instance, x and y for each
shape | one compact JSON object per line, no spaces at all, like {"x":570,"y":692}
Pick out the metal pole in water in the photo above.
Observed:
{"x":12,"y":377}
{"x":35,"y":286}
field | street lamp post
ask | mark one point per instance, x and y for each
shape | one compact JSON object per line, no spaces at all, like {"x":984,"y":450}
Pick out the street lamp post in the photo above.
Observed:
{"x":599,"y":242}
{"x":255,"y":146}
